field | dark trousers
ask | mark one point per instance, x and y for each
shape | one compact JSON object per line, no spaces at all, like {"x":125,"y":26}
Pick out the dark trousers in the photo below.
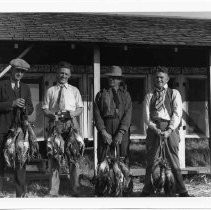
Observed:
{"x":171,"y":151}
{"x":20,"y":180}
{"x":19,"y":173}
{"x":104,"y":149}
{"x":2,"y":162}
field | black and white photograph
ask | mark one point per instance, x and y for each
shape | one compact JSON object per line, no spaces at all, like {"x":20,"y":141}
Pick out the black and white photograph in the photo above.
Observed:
{"x":105,"y":105}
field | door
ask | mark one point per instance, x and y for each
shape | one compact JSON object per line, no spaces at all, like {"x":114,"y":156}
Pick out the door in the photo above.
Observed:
{"x":136,"y":86}
{"x":36,"y":118}
{"x":196,"y":113}
{"x":193,"y":90}
{"x":177,"y":82}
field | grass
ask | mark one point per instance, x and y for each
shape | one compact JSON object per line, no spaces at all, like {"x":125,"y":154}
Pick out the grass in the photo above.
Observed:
{"x":197,"y":152}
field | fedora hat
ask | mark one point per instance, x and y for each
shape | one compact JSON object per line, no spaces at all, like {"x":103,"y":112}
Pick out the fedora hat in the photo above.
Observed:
{"x":114,"y":71}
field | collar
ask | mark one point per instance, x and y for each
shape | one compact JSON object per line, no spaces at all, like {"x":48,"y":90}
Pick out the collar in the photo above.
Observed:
{"x":65,"y":85}
{"x":13,"y":83}
{"x":165,"y":87}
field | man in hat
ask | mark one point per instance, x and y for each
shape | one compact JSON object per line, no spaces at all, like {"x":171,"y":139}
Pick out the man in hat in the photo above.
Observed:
{"x":64,"y":98}
{"x":112,"y":114}
{"x":162,"y":115}
{"x":13,"y":95}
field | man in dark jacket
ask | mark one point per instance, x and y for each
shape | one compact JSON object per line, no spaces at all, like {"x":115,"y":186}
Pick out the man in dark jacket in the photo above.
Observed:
{"x":112,"y":114}
{"x":13,"y":94}
{"x":162,"y":115}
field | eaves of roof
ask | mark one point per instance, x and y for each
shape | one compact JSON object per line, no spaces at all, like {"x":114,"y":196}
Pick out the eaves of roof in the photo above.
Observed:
{"x":102,"y":28}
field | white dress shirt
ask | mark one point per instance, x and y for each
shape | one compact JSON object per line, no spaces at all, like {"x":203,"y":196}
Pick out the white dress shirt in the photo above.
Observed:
{"x":13,"y":84}
{"x":163,"y":113}
{"x":72,"y":98}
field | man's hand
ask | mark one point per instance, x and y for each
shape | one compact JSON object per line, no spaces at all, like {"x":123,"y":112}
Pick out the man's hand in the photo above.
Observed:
{"x":52,"y":116}
{"x":63,"y":115}
{"x":106,"y":137}
{"x":158,"y":131}
{"x":167,"y":133}
{"x":118,"y":138}
{"x":71,"y":114}
{"x":19,"y":102}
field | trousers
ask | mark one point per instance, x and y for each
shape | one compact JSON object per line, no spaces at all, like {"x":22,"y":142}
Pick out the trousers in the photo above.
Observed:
{"x":104,"y":149}
{"x":19,"y":172}
{"x":171,"y":151}
{"x":55,"y":178}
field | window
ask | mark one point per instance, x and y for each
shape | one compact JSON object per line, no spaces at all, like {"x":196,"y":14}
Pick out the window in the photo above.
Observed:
{"x":196,"y":115}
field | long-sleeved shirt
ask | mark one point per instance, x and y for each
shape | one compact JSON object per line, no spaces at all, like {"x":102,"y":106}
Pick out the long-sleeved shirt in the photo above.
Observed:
{"x":72,"y":98}
{"x":163,"y":113}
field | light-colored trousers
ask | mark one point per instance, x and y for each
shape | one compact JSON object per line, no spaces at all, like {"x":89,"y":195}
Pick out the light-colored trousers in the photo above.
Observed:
{"x":55,"y":179}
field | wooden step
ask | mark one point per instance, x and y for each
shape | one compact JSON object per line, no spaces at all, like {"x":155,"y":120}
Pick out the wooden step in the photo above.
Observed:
{"x":188,"y":170}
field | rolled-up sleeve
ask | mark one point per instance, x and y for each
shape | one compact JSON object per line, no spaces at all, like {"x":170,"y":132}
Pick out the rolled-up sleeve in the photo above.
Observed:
{"x":177,"y":110}
{"x":78,"y":98}
{"x":146,"y":111}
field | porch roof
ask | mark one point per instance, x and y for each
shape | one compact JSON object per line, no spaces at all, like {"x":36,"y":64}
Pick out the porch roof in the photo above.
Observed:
{"x":104,"y":28}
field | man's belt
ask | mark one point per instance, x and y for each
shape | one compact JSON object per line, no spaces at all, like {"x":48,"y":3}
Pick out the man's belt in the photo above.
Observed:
{"x":161,"y":123}
{"x":110,"y":117}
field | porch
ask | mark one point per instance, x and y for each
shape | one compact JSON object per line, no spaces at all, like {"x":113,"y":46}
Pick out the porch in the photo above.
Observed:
{"x":137,"y":44}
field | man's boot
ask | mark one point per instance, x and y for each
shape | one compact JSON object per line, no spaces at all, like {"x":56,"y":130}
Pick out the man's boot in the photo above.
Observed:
{"x":1,"y":186}
{"x":74,"y":181}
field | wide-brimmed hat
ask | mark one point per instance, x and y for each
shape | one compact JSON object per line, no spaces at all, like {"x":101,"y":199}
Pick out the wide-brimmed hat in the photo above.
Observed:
{"x":114,"y":71}
{"x":19,"y":63}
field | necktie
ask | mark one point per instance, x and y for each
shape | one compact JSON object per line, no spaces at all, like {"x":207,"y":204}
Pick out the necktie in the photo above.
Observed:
{"x":159,"y":99}
{"x":16,"y":86}
{"x":17,"y":90}
{"x":116,"y":98}
{"x":61,"y":100}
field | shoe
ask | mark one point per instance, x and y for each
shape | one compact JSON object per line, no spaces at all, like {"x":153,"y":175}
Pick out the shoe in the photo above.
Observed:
{"x":74,"y":192}
{"x":144,"y":194}
{"x":185,"y":194}
{"x":52,"y":196}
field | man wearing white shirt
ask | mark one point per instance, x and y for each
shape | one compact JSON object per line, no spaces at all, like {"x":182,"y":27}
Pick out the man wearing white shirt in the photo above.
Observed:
{"x":162,"y":115}
{"x":66,"y":98}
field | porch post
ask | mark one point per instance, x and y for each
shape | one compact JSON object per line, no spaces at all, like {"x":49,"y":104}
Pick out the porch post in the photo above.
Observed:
{"x":209,"y":102}
{"x":182,"y":132}
{"x":96,"y":90}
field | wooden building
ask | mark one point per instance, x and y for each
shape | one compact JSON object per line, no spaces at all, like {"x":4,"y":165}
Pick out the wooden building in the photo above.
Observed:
{"x":93,"y":42}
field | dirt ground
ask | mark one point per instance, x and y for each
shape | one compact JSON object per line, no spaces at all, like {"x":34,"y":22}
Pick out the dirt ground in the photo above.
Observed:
{"x":197,"y":186}
{"x":38,"y":186}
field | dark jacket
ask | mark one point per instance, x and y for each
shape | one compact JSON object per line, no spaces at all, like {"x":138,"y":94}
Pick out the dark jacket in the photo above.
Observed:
{"x":112,"y":117}
{"x":102,"y":110}
{"x":7,"y":95}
